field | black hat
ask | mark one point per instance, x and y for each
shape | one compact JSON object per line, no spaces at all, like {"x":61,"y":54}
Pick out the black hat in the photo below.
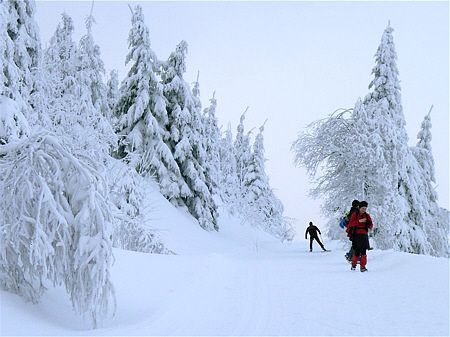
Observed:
{"x":355,"y":203}
{"x":363,"y":204}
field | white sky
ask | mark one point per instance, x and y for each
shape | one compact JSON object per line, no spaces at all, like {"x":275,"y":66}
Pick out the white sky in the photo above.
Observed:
{"x":290,"y":62}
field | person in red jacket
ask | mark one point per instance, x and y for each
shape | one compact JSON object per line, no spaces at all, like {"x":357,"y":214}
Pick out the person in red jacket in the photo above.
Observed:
{"x":358,"y":232}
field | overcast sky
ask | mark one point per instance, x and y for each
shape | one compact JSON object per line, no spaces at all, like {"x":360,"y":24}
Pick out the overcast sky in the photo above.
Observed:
{"x":290,"y":62}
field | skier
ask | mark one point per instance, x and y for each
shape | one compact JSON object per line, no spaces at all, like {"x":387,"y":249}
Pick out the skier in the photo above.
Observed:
{"x":312,"y":230}
{"x":344,"y":223}
{"x":357,"y":231}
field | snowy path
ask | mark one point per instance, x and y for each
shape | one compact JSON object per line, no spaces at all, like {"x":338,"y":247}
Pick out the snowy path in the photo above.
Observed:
{"x":277,"y":290}
{"x":290,"y":291}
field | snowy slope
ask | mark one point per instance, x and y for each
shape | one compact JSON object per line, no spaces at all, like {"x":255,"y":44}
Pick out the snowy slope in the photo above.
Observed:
{"x":242,"y":282}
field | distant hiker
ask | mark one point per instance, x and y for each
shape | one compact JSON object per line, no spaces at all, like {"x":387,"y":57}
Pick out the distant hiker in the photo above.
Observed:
{"x":312,"y":230}
{"x":357,"y":231}
{"x":344,"y":223}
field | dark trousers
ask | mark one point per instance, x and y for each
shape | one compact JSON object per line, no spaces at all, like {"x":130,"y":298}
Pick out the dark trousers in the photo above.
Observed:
{"x":360,"y":244}
{"x":359,"y":252}
{"x":311,"y":239}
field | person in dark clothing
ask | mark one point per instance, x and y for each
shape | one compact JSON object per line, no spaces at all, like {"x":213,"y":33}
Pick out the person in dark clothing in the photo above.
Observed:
{"x":312,"y":230}
{"x":353,"y":209}
{"x":358,"y":232}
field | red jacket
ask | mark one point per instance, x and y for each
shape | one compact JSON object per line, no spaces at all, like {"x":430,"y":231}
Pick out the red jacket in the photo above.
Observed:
{"x":360,"y":223}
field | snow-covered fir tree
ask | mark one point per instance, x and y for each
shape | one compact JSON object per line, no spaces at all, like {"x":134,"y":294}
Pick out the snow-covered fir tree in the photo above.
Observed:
{"x":60,"y":63}
{"x":242,"y":154}
{"x":209,"y":133}
{"x":228,"y":179}
{"x":265,"y":208}
{"x":383,"y":104}
{"x":185,"y":126}
{"x":212,"y":138}
{"x":20,"y":76}
{"x":112,"y":96}
{"x":435,"y":218}
{"x":142,"y":114}
{"x":255,"y":180}
{"x":422,"y":150}
{"x":92,"y":92}
{"x":74,"y":93}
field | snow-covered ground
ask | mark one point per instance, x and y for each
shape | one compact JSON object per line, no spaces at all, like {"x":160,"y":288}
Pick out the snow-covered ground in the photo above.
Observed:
{"x":241,"y":281}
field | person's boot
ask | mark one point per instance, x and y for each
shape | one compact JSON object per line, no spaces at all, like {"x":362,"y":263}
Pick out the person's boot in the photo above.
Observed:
{"x":354,"y":262}
{"x":363,"y":263}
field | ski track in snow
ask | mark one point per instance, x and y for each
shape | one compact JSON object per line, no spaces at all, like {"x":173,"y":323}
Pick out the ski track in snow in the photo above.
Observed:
{"x":277,"y":291}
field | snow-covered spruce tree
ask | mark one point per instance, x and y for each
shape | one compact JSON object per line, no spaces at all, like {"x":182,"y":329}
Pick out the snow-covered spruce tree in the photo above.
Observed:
{"x":60,"y":63}
{"x":209,"y":133}
{"x":186,"y":142}
{"x":77,"y":95}
{"x":228,"y":179}
{"x":92,"y":66}
{"x":55,"y":225}
{"x":242,"y":154}
{"x":6,"y":47}
{"x":212,"y":139}
{"x":279,"y":226}
{"x":112,"y":96}
{"x":423,"y":151}
{"x":256,"y":181}
{"x":142,"y":114}
{"x":21,"y":78}
{"x":435,"y":218}
{"x":266,"y":211}
{"x":92,"y":93}
{"x":383,"y":104}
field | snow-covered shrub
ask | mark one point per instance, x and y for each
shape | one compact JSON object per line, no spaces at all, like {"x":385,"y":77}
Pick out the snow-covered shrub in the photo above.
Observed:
{"x":128,"y":194}
{"x":129,"y":234}
{"x":55,"y":225}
